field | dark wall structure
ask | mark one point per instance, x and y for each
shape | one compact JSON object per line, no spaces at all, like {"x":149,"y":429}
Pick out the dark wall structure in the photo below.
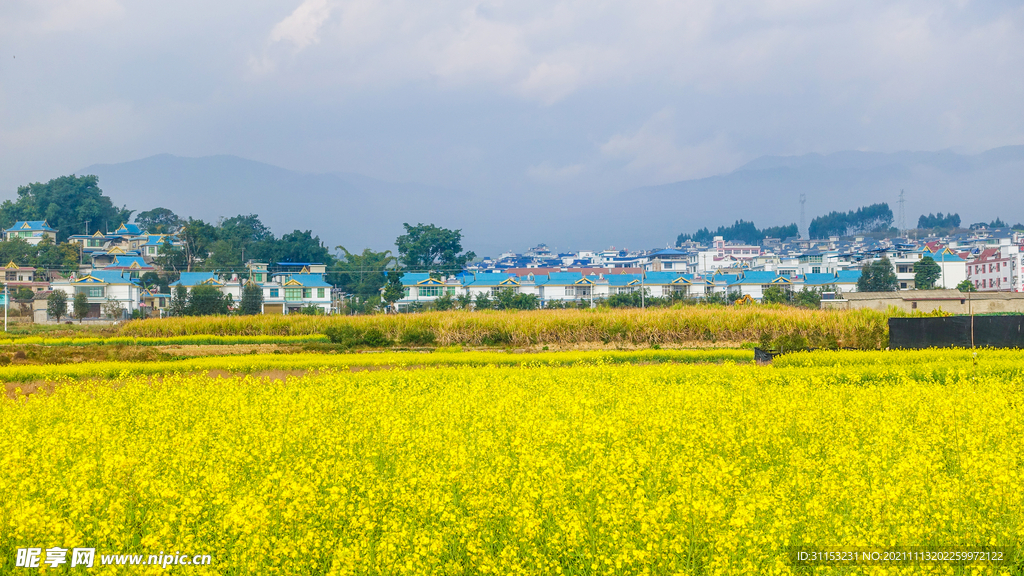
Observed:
{"x":957,"y":331}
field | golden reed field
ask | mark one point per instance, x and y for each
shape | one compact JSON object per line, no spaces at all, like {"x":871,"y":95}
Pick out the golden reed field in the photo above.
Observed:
{"x":580,"y":466}
{"x":865,"y":329}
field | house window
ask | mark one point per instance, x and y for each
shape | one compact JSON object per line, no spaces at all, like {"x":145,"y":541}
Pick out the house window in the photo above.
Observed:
{"x":293,"y":294}
{"x":451,"y":290}
{"x":816,"y":270}
{"x":163,"y":302}
{"x":275,"y":293}
{"x":307,"y":292}
{"x":257,"y":277}
{"x":668,"y":266}
{"x":405,"y":291}
{"x":429,"y":291}
{"x":91,"y":291}
{"x":319,"y":292}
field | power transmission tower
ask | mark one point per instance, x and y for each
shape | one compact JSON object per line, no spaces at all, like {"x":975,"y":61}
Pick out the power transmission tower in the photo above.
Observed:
{"x":803,"y":200}
{"x":903,"y":215}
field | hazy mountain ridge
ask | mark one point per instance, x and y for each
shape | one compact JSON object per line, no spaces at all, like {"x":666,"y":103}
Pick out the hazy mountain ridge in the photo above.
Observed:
{"x":767,"y":190}
{"x":358,"y":211}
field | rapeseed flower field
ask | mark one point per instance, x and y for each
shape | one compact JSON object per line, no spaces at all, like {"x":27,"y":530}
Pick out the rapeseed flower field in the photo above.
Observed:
{"x":592,"y":467}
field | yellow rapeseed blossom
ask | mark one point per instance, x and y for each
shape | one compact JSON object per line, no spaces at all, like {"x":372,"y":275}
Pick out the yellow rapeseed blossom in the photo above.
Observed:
{"x":587,"y":468}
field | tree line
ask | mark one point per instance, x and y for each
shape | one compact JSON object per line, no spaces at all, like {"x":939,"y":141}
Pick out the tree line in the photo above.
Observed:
{"x":742,"y":231}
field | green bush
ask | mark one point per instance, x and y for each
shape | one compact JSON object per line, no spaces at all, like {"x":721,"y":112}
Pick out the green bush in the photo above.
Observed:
{"x":418,"y":336}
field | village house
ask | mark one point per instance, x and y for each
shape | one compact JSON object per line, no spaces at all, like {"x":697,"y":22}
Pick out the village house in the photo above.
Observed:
{"x":32,"y":231}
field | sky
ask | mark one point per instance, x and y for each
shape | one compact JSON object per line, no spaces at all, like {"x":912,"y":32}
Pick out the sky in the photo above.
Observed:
{"x":527,"y":98}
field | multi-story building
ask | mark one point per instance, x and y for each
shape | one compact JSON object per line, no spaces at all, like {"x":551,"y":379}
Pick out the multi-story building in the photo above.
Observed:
{"x":997,"y":270}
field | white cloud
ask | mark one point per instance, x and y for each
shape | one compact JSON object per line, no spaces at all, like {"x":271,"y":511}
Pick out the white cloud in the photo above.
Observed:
{"x":302,"y":27}
{"x":653,"y":151}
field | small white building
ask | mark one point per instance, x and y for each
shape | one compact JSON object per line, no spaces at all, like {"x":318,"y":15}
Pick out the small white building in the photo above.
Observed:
{"x":103,"y":287}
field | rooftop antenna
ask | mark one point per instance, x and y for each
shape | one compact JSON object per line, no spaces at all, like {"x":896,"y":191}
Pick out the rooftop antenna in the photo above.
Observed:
{"x":803,"y":200}
{"x":903,"y":215}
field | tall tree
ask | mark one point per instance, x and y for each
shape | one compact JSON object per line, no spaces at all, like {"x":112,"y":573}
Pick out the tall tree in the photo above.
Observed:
{"x":742,"y":231}
{"x":302,"y":246}
{"x":878,"y":276}
{"x":57,"y":304}
{"x":239,"y":239}
{"x":393,"y":290}
{"x":204,"y":300}
{"x":197,"y":237}
{"x":158,"y":221}
{"x":80,"y":306}
{"x":939,"y":221}
{"x":429,"y":248}
{"x":179,"y":301}
{"x":70,"y":204}
{"x":926,"y":273}
{"x":170,"y":257}
{"x":362,"y":274}
{"x":252,"y":299}
{"x":873,"y":218}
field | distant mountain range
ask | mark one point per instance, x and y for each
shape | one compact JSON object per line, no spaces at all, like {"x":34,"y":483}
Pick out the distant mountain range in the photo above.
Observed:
{"x":357,"y":211}
{"x":767,"y":190}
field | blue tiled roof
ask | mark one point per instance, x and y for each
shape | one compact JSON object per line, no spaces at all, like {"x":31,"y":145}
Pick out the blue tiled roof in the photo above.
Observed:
{"x":847,"y":276}
{"x":661,"y":277}
{"x":412,"y":278}
{"x":112,"y":277}
{"x":127,"y":261}
{"x":756,"y":277}
{"x":668,"y":252}
{"x":623,"y":279}
{"x":488,"y":279}
{"x":559,"y":278}
{"x":130,"y":229}
{"x":819,"y":279}
{"x":194,"y":278}
{"x":33,"y":225}
{"x":157,"y":240}
{"x":310,"y":280}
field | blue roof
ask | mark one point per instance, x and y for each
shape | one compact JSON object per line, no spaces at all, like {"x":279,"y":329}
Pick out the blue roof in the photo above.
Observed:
{"x":662,"y":277}
{"x":300,"y":263}
{"x":847,"y":276}
{"x":127,"y":261}
{"x":622,"y":279}
{"x":559,"y":278}
{"x":821,"y":279}
{"x":490,"y":279}
{"x":157,"y":239}
{"x":758,"y":277}
{"x":412,"y":278}
{"x":128,"y":229}
{"x":669,"y":252}
{"x":194,"y":278}
{"x":941,"y":256}
{"x":112,"y":277}
{"x":310,"y":280}
{"x":33,"y":225}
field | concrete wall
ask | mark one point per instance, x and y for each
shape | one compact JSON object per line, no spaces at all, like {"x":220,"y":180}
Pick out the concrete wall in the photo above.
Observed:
{"x":931,"y":300}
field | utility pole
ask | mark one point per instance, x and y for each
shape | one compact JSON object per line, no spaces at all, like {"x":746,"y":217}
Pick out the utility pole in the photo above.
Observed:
{"x":903,"y":215}
{"x":803,"y":200}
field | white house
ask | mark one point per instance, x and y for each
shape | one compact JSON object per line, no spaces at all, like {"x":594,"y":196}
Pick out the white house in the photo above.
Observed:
{"x":103,"y":287}
{"x":31,"y":231}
